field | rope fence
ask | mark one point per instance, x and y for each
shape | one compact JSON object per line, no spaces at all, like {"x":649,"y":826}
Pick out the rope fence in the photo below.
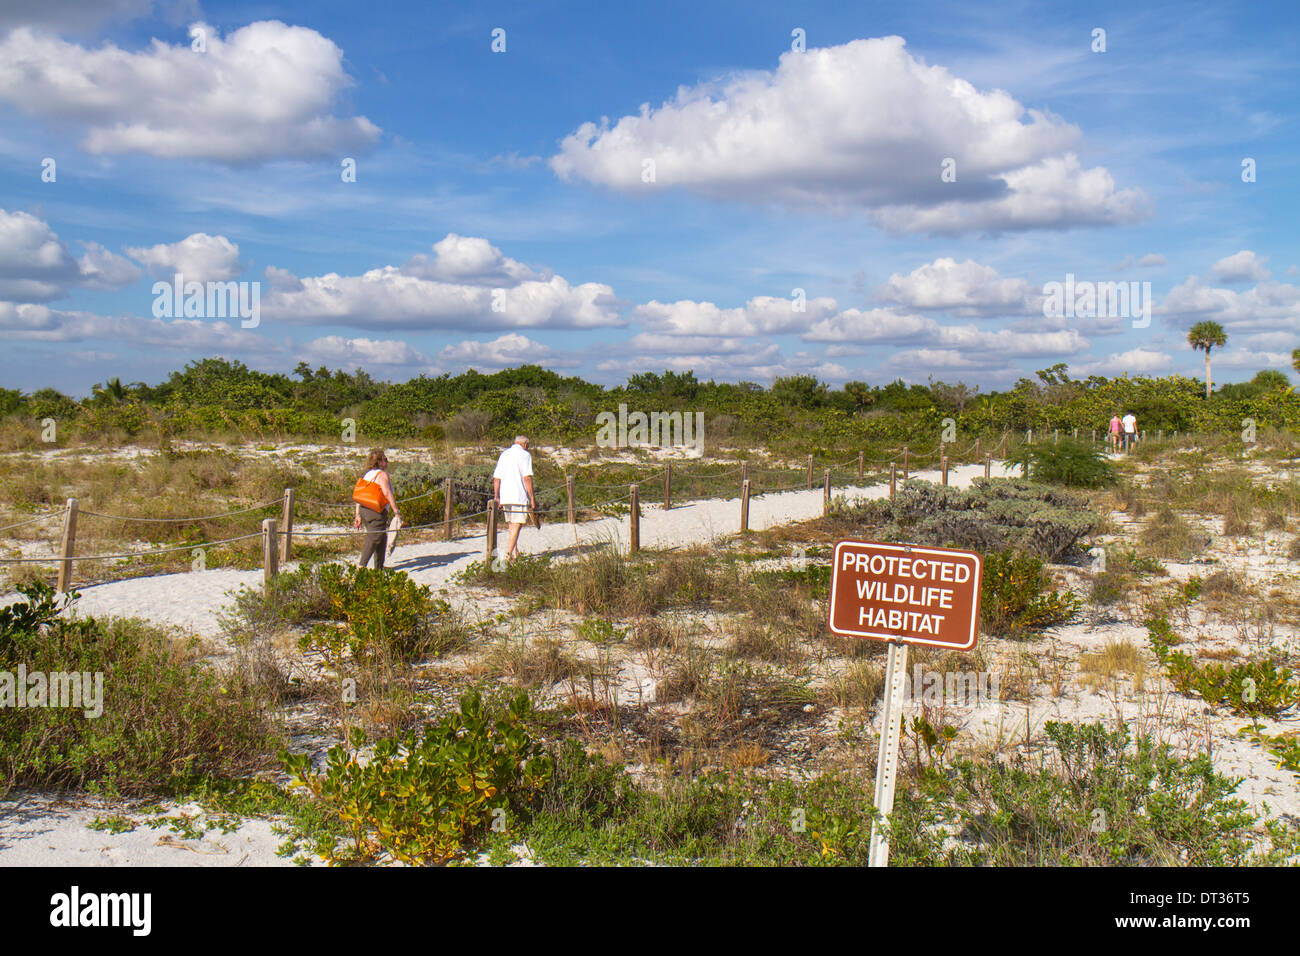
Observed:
{"x":278,"y":534}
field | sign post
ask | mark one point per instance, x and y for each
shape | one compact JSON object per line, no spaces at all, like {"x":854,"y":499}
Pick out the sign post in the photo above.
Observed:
{"x":890,"y":741}
{"x":902,"y":594}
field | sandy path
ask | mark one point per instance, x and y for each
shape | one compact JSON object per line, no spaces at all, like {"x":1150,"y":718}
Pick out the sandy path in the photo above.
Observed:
{"x":42,"y":830}
{"x":192,"y":599}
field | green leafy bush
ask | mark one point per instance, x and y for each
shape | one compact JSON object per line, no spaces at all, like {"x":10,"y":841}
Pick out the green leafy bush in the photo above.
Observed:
{"x":382,"y":613}
{"x":427,"y":799}
{"x":1018,"y":597}
{"x":165,"y":715}
{"x":1065,"y":462}
{"x":1252,"y":689}
{"x":1101,"y":799}
{"x":1260,"y":688}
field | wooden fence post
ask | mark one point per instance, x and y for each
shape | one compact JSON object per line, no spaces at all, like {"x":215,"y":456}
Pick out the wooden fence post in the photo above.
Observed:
{"x":490,"y":540}
{"x":744,"y":473}
{"x":634,"y":526}
{"x":270,"y":552}
{"x":826,"y":491}
{"x":977,"y":449}
{"x":810,"y":458}
{"x":893,"y":468}
{"x":568,"y":489}
{"x":286,"y":520}
{"x":943,"y":466}
{"x":744,"y":506}
{"x":988,"y":465}
{"x":860,"y":466}
{"x":448,"y":503}
{"x":905,"y":463}
{"x":1029,"y":436}
{"x":68,"y":546}
{"x":668,"y":487}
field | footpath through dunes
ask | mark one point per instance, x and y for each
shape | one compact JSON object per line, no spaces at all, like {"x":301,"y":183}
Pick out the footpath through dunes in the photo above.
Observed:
{"x":192,"y":599}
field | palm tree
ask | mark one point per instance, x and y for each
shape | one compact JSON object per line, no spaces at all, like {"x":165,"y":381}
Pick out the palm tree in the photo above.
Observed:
{"x":1205,"y":336}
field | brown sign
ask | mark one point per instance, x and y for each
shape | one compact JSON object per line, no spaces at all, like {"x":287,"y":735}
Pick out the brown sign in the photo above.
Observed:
{"x":900,"y":592}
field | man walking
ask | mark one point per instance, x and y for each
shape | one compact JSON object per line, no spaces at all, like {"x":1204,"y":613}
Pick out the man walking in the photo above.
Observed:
{"x":512,"y":489}
{"x":1130,"y":431}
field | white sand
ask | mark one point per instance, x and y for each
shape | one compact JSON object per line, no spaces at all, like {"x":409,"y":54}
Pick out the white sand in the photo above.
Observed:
{"x":42,"y":830}
{"x":45,"y":830}
{"x":192,"y":599}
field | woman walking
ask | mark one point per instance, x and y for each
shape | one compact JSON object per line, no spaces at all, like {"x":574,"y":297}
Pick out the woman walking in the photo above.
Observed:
{"x":373,"y":494}
{"x":1114,"y":434}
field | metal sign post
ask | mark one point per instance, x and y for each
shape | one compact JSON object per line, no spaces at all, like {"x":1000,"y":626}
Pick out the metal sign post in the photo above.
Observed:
{"x":904,"y":594}
{"x":891,"y":732}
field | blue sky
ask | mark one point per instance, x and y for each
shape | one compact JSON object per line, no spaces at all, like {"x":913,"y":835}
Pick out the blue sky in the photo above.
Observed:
{"x":500,"y":212}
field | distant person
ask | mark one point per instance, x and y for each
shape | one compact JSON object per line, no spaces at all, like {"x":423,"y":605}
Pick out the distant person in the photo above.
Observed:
{"x":373,"y":494}
{"x":1114,"y":433}
{"x":512,"y":489}
{"x":1130,"y":423}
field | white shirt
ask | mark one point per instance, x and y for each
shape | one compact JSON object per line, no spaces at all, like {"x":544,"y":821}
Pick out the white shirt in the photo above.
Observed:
{"x":1130,"y":424}
{"x":514,"y":465}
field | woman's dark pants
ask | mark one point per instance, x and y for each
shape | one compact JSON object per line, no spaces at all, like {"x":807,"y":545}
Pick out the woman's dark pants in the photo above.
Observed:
{"x":376,"y":536}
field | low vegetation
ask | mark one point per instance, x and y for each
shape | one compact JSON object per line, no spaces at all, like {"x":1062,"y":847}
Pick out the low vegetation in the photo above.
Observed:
{"x":165,"y":718}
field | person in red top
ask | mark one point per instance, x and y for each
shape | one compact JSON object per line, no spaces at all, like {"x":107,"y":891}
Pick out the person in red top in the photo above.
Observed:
{"x":374,"y":489}
{"x":1114,"y":433}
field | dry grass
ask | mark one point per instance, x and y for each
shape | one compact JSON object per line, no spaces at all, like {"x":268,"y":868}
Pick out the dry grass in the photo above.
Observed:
{"x":540,"y":663}
{"x":1117,"y":659}
{"x":1170,"y":536}
{"x":861,"y":684}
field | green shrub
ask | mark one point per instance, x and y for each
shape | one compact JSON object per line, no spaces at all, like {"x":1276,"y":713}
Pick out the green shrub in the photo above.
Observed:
{"x":426,"y":800}
{"x":1102,"y":799}
{"x":1065,"y":462}
{"x":165,"y":715}
{"x":994,"y":514}
{"x":1251,"y":689}
{"x":362,"y":611}
{"x":383,"y":613}
{"x":1018,"y":597}
{"x":290,"y":599}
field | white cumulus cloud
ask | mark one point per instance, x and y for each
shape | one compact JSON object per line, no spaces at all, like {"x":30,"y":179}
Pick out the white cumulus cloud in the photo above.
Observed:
{"x":483,"y":290}
{"x":862,"y":126}
{"x":1243,"y":266}
{"x":264,"y":92}
{"x":199,"y":257}
{"x":964,"y":288}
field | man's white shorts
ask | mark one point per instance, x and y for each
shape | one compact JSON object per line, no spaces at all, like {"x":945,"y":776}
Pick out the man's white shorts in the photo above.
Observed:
{"x":515,"y":514}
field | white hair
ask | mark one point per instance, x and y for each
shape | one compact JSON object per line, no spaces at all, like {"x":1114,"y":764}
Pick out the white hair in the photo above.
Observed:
{"x":521,"y":439}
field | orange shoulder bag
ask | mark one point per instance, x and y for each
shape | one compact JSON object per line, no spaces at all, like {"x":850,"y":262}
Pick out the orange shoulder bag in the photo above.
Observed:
{"x":368,"y":494}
